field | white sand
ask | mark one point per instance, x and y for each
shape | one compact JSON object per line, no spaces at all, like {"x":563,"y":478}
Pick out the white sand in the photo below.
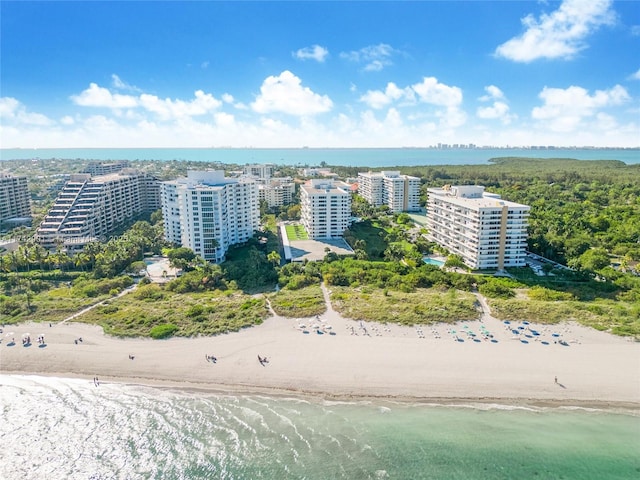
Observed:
{"x":388,"y":362}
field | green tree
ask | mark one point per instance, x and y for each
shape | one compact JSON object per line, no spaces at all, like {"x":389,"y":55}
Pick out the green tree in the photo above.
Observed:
{"x":594,"y":259}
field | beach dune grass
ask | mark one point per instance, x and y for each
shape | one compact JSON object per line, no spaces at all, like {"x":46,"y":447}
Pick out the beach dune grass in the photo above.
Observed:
{"x":620,"y":318}
{"x":424,"y":306}
{"x":296,"y":232}
{"x":205,"y":313}
{"x":304,"y":302}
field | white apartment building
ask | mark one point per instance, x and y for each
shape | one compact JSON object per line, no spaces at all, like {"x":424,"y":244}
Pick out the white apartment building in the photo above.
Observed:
{"x":259,"y":171}
{"x":105,"y":168}
{"x":89,"y":208}
{"x":208,"y":212}
{"x":325,"y":208}
{"x":277,"y":192}
{"x":401,"y":193}
{"x":14,"y":198}
{"x":486,"y":231}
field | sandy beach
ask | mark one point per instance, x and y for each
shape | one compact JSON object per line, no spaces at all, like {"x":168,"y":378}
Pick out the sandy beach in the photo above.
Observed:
{"x":351,"y":359}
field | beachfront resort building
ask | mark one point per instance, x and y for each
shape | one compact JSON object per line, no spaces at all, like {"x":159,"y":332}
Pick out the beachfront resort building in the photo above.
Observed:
{"x":90,"y":208}
{"x":485,"y":230}
{"x":15,"y":207}
{"x":401,"y":193}
{"x":325,"y":208}
{"x":208,"y":212}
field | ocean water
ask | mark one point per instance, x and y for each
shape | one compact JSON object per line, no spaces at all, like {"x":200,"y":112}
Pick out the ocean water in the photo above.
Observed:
{"x":371,"y":157}
{"x":70,"y":429}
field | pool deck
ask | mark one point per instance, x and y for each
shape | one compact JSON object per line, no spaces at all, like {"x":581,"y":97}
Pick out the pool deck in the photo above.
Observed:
{"x":312,"y":250}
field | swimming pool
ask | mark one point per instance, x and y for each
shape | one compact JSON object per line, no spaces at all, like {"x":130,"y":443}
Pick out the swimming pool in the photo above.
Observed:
{"x":433,"y":261}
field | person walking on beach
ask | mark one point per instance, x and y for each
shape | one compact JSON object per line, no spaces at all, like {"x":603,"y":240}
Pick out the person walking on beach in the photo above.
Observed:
{"x":556,"y":380}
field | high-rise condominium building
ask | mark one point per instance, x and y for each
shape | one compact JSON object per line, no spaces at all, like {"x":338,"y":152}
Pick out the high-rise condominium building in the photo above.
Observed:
{"x":401,"y":193}
{"x":208,"y":212}
{"x":259,"y":171}
{"x":90,"y":208}
{"x":486,"y":231}
{"x":105,"y":168}
{"x":277,"y":192}
{"x":14,"y":198}
{"x":325,"y":207}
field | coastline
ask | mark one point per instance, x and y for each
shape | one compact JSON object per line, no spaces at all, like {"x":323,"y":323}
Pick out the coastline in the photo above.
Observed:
{"x":387,"y":363}
{"x":209,"y":388}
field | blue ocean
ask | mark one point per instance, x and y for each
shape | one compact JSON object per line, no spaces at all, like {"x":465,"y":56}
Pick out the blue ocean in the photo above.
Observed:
{"x":54,"y":428}
{"x":357,"y":157}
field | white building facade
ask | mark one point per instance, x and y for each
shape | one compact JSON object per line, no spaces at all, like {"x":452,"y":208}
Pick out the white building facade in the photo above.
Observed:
{"x":277,"y":193}
{"x":325,"y":208}
{"x":89,"y":208}
{"x":259,"y":171}
{"x":14,"y":198}
{"x":401,"y":193}
{"x":486,"y":231}
{"x":208,"y":212}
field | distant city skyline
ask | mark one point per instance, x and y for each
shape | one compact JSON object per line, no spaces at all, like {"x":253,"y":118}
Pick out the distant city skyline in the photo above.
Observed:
{"x":319,"y":74}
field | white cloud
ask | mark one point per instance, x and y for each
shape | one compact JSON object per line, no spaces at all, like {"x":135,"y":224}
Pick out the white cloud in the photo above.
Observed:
{"x":96,"y":96}
{"x":375,"y":57}
{"x":315,"y":52}
{"x":635,"y":30}
{"x":493,"y":93}
{"x":635,"y":76}
{"x":284,"y":93}
{"x":120,"y":84}
{"x":429,"y":91}
{"x":436,"y":93}
{"x":15,"y":113}
{"x":378,"y":99}
{"x":67,"y":120}
{"x":564,"y":110}
{"x":560,"y":34}
{"x":167,"y":109}
{"x":498,"y":110}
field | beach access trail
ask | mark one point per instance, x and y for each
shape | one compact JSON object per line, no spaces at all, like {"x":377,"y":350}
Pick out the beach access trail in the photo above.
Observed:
{"x":350,"y":358}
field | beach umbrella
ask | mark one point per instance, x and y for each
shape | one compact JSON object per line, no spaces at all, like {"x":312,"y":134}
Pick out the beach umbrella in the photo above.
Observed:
{"x":24,"y":335}
{"x":10,"y":334}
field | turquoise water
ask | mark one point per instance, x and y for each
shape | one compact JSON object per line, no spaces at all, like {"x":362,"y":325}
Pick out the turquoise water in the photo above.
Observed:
{"x":373,"y":157}
{"x":70,"y":429}
{"x":433,"y":261}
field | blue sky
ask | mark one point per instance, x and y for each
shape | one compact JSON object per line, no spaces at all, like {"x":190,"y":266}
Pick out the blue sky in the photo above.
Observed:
{"x":321,"y":74}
